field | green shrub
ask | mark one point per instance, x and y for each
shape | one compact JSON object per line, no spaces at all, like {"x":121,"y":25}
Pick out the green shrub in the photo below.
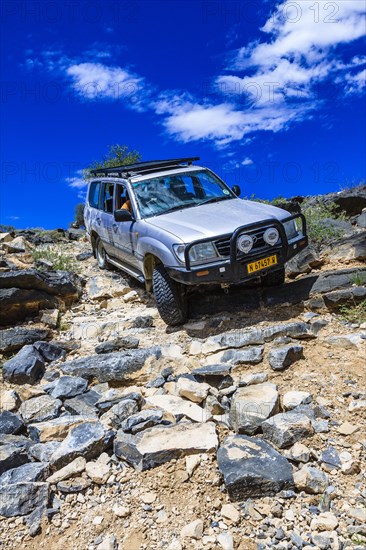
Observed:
{"x":58,"y":257}
{"x":355,"y":313}
{"x":319,"y":218}
{"x":358,"y":278}
{"x":79,"y":214}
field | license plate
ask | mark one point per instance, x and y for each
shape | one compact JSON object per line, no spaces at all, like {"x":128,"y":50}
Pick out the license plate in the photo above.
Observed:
{"x":262,"y":264}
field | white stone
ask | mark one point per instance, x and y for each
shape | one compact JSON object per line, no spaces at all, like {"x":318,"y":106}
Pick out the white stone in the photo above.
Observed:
{"x":9,"y":400}
{"x":50,"y":317}
{"x":228,"y":511}
{"x":121,"y":511}
{"x":98,"y":472}
{"x":131,"y":296}
{"x":194,"y":391}
{"x":195,"y":348}
{"x":226,"y":541}
{"x":98,"y":520}
{"x":148,"y":498}
{"x":176,"y":405}
{"x":292,"y":399}
{"x":172,"y":351}
{"x":75,"y":467}
{"x":325,"y":521}
{"x":192,"y":462}
{"x":357,"y":406}
{"x":193,"y":530}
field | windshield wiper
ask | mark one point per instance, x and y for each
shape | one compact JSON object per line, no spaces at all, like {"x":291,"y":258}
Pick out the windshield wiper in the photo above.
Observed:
{"x":213,"y":199}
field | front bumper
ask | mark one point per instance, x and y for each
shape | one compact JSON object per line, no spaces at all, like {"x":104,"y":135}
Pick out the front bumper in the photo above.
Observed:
{"x":234,"y":269}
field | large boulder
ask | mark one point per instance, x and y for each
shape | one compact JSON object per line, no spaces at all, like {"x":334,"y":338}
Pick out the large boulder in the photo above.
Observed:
{"x":351,"y":247}
{"x":24,"y":292}
{"x":13,"y":455}
{"x":26,"y":367}
{"x":282,"y":357}
{"x":178,"y":407}
{"x":252,"y":468}
{"x":110,"y":367}
{"x":67,"y":386}
{"x":157,"y":445}
{"x":40,"y":409}
{"x":87,"y":440}
{"x":23,"y":498}
{"x":251,"y":405}
{"x":56,"y":429}
{"x":14,"y":339}
{"x":33,"y":471}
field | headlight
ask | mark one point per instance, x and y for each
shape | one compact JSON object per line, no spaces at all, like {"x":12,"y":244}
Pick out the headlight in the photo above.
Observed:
{"x":291,"y":229}
{"x":271,"y":236}
{"x":199,"y":253}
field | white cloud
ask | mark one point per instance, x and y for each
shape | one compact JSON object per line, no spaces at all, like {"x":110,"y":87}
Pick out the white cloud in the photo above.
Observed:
{"x":355,"y":83}
{"x":77,"y":181}
{"x":247,"y":162}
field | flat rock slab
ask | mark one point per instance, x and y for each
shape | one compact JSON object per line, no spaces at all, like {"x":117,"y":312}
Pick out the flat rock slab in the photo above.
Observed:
{"x":284,"y":429}
{"x":22,"y":498}
{"x":110,"y":367}
{"x":251,"y":405}
{"x":178,"y":406}
{"x":252,"y":468}
{"x":12,"y":456}
{"x":87,"y":440}
{"x":56,"y":429}
{"x":26,"y":367}
{"x":33,"y":471}
{"x":159,"y":444}
{"x":13,"y":339}
{"x":67,"y":386}
{"x":40,"y":409}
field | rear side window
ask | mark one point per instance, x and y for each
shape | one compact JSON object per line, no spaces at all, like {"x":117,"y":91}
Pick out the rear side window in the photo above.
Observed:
{"x":94,"y":192}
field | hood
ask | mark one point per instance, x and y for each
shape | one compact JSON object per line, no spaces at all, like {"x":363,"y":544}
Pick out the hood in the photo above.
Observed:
{"x":211,"y":220}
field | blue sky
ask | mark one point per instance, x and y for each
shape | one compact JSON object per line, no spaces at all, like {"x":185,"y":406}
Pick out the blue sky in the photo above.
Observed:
{"x":270,"y":95}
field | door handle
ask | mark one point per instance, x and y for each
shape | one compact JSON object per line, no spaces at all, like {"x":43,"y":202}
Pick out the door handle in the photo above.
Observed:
{"x":115,"y":227}
{"x":99,"y":221}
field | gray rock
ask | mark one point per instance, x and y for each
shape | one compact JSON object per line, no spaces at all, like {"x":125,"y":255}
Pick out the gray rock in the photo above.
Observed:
{"x":10,"y":423}
{"x":43,"y":451}
{"x":67,"y":387}
{"x":249,"y":356}
{"x":252,"y":468}
{"x":119,"y":412}
{"x":112,"y":397}
{"x":298,"y":330}
{"x":126,"y":342}
{"x":12,"y":456}
{"x":330,"y":458}
{"x":110,"y":367}
{"x":285,"y":429}
{"x":311,"y":480}
{"x":361,"y":220}
{"x":253,"y":378}
{"x":233,"y":339}
{"x":74,"y":485}
{"x":88,"y":440}
{"x":14,"y":339}
{"x":157,"y":382}
{"x":33,"y":471}
{"x":145,"y":321}
{"x":351,"y":247}
{"x":142,"y":420}
{"x":280,"y":358}
{"x":251,"y":405}
{"x":321,"y":541}
{"x":80,"y":406}
{"x":22,"y":498}
{"x":303,"y":262}
{"x":217,"y":375}
{"x":49,"y":351}
{"x":39,"y":409}
{"x":55,"y":429}
{"x":26,"y":367}
{"x":160,"y":444}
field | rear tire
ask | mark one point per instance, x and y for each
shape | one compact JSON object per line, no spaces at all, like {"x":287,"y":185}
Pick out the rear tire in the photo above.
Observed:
{"x":170,"y":303}
{"x":100,"y":254}
{"x":274,"y":278}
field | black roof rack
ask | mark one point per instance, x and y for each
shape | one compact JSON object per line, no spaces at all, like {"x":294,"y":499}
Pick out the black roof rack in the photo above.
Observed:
{"x":143,"y":167}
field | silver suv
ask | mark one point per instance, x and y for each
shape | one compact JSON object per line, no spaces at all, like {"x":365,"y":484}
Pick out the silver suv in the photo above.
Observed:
{"x":171,"y":223}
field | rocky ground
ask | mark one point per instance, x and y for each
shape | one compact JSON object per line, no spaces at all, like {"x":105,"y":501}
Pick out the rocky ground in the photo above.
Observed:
{"x":243,"y":429}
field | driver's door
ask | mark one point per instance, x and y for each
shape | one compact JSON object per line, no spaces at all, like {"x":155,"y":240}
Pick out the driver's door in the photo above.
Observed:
{"x":124,"y":232}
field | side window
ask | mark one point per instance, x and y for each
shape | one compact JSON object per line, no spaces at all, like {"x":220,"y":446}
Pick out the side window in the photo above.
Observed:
{"x":107,"y":198}
{"x":94,"y":191}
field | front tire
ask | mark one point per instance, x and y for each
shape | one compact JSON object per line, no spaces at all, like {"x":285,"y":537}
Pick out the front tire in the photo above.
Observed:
{"x":170,"y":303}
{"x":274,"y":278}
{"x":100,"y":254}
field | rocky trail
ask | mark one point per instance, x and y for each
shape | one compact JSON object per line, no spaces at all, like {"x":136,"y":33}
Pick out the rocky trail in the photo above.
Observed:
{"x":243,"y":429}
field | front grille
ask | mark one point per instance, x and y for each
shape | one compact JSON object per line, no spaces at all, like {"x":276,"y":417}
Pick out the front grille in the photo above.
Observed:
{"x":223,"y":245}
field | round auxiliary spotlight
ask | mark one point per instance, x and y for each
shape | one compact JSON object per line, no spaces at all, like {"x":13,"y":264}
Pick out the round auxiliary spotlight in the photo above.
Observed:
{"x":271,"y":236}
{"x":245,"y":243}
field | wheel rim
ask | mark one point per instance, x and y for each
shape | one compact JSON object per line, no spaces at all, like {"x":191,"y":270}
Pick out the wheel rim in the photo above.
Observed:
{"x":100,"y":254}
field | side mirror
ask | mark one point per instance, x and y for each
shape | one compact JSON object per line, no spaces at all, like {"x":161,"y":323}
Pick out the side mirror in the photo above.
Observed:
{"x":236,"y":189}
{"x":123,"y":215}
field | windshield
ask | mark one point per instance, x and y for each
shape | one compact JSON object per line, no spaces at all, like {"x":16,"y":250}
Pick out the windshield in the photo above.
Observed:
{"x":165,"y":194}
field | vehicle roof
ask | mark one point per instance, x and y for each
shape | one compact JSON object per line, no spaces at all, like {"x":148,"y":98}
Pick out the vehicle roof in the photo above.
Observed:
{"x":141,"y":177}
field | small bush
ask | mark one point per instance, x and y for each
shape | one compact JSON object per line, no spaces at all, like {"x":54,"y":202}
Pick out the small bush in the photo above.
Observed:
{"x":79,"y":214}
{"x":319,"y":218}
{"x":354,"y":313}
{"x":358,"y":278}
{"x":59,"y":258}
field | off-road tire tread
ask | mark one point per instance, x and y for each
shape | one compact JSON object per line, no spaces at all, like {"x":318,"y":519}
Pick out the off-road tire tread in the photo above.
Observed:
{"x":169,"y":303}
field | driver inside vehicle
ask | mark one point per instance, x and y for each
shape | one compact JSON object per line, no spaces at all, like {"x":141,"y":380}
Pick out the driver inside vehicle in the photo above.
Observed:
{"x":127,"y":204}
